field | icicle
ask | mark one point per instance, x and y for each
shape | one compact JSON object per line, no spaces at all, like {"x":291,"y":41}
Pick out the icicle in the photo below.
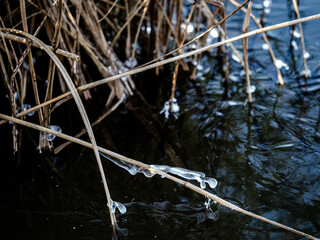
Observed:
{"x":132,"y":169}
{"x":188,"y":175}
{"x":181,"y":172}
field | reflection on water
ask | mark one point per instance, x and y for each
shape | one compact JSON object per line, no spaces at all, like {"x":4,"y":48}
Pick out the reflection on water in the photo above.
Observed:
{"x":266,"y":157}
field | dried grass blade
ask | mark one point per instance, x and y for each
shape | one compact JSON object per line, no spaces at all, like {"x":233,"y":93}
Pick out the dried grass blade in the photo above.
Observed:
{"x":139,"y":28}
{"x":265,"y":38}
{"x":127,"y":22}
{"x":245,"y":28}
{"x":302,"y":40}
{"x":51,"y":72}
{"x":58,"y":51}
{"x":176,"y":69}
{"x":113,"y":5}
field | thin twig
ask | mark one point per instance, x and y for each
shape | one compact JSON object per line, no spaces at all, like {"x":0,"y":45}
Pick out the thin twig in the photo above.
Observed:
{"x":302,"y":40}
{"x":176,"y":69}
{"x":245,"y":28}
{"x":265,"y":38}
{"x":58,"y":51}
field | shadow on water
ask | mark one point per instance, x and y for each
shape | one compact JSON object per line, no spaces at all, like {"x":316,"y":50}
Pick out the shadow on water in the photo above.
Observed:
{"x":265,"y":157}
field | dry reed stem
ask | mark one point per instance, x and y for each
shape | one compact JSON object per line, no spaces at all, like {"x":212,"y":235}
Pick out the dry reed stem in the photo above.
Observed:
{"x":265,"y":38}
{"x":167,"y":61}
{"x":111,"y":3}
{"x":58,"y":51}
{"x":201,"y":35}
{"x":82,"y":112}
{"x":161,"y":173}
{"x":170,"y":25}
{"x":146,"y":3}
{"x":245,"y":28}
{"x":128,"y":40}
{"x":159,"y":32}
{"x":127,"y":22}
{"x":110,"y":9}
{"x":176,"y":69}
{"x":296,"y":8}
{"x":44,"y":143}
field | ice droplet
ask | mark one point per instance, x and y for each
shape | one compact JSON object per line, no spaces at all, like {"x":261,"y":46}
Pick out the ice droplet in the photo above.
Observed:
{"x":294,"y":45}
{"x":306,"y":55}
{"x":236,"y":58}
{"x":166,"y":108}
{"x":296,"y":33}
{"x":267,"y":6}
{"x":280,"y":64}
{"x":267,"y":3}
{"x":190,"y":28}
{"x":148,"y":30}
{"x":207,"y":204}
{"x":116,"y":205}
{"x":214,"y":33}
{"x":26,"y":107}
{"x":265,"y":46}
{"x":131,"y":62}
{"x":56,"y":128}
{"x":303,"y":72}
{"x":252,"y":89}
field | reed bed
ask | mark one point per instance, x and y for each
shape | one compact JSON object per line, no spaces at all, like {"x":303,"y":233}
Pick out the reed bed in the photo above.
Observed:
{"x":74,"y":34}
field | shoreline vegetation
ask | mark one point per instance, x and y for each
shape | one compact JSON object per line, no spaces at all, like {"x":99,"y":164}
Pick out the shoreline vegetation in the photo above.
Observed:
{"x":118,"y":39}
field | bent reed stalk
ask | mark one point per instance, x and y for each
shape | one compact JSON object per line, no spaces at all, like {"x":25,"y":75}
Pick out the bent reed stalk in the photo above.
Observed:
{"x":82,"y":112}
{"x":150,"y":168}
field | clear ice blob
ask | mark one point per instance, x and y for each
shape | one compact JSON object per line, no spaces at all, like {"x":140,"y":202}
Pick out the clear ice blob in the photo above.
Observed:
{"x":166,"y":108}
{"x":188,"y":175}
{"x":303,"y":72}
{"x":296,"y":33}
{"x":265,"y":46}
{"x":236,"y":58}
{"x":116,"y":205}
{"x":131,"y":62}
{"x":294,"y":45}
{"x":190,"y":28}
{"x":280,"y":64}
{"x":214,"y":33}
{"x":50,"y":136}
{"x":252,"y":89}
{"x":26,"y":107}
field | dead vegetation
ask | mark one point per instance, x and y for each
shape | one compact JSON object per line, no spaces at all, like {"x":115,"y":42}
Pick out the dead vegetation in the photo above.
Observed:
{"x":145,"y":34}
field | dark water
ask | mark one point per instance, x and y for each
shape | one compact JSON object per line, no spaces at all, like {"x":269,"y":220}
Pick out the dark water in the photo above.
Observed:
{"x":265,"y":156}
